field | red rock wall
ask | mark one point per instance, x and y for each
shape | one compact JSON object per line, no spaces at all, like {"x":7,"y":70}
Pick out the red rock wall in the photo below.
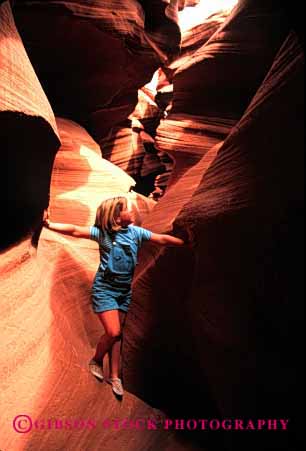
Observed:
{"x":221,"y":76}
{"x":214,"y":83}
{"x":194,"y":38}
{"x":28,"y":136}
{"x":244,"y":223}
{"x":78,"y":74}
{"x":86,"y":87}
{"x":224,"y":325}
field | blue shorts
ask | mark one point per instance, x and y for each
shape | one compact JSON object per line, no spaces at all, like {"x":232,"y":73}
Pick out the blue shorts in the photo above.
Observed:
{"x":110,"y":294}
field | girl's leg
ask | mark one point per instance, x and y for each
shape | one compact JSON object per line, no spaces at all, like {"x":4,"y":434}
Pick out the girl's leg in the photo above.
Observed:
{"x":115,"y":351}
{"x":111,"y":323}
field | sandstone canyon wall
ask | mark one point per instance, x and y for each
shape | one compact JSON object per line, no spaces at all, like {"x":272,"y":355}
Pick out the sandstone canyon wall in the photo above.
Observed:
{"x":229,"y":313}
{"x":215,"y":329}
{"x":78,"y":73}
{"x":28,"y":133}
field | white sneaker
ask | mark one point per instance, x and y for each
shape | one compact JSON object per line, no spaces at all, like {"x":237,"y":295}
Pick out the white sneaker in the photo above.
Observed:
{"x":96,"y":369}
{"x":116,"y":385}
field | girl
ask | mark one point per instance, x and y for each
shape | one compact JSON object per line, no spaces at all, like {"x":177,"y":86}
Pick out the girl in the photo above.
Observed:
{"x":119,"y":242}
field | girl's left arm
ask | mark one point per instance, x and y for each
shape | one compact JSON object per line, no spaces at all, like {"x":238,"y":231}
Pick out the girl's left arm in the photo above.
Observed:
{"x":166,"y":240}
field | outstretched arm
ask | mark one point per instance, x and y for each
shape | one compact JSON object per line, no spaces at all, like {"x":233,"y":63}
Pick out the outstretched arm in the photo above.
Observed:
{"x":166,"y":240}
{"x":69,"y":229}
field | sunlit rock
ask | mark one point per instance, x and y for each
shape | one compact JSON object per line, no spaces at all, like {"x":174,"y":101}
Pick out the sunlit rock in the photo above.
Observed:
{"x":82,"y":179}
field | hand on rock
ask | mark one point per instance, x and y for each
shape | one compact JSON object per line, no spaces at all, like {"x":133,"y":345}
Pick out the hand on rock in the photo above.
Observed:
{"x":190,"y":242}
{"x":46,"y":220}
{"x":186,"y":235}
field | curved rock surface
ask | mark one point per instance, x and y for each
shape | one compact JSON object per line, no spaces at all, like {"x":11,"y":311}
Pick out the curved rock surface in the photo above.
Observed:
{"x":194,"y":38}
{"x":78,"y":76}
{"x":28,"y":136}
{"x":215,"y":78}
{"x":230,"y":66}
{"x":230,"y":310}
{"x":81,"y":179}
{"x":130,"y":145}
{"x":214,"y":83}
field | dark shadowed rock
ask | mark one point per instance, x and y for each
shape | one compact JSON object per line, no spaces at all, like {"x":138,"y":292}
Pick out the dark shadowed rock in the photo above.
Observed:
{"x":226,"y":318}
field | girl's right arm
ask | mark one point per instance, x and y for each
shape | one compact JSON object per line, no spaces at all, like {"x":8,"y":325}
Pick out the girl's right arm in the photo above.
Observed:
{"x":69,"y":229}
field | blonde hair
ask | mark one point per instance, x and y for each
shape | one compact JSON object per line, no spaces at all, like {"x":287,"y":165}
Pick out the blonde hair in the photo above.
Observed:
{"x":108,"y":213}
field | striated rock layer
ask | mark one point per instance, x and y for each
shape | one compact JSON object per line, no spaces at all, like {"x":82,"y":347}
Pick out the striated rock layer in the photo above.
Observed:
{"x":220,"y":77}
{"x":227,"y":316}
{"x":214,"y":82}
{"x":134,"y":151}
{"x":28,"y":136}
{"x":78,"y":74}
{"x":194,"y":38}
{"x":95,"y":81}
{"x":130,"y":145}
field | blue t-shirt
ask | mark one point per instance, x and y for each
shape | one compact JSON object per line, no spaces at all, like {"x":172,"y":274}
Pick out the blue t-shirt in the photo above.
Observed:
{"x":131,"y":235}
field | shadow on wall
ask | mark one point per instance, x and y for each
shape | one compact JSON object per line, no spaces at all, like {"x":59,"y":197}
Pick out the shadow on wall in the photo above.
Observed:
{"x":27,"y":151}
{"x":168,"y":362}
{"x":253,"y":300}
{"x":240,"y":322}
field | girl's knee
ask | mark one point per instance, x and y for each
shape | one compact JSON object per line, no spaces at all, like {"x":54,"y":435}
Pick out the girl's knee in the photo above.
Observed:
{"x":114,"y":334}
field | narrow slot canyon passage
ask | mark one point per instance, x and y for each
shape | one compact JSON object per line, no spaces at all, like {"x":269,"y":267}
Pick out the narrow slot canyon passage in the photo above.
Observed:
{"x":193,"y":111}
